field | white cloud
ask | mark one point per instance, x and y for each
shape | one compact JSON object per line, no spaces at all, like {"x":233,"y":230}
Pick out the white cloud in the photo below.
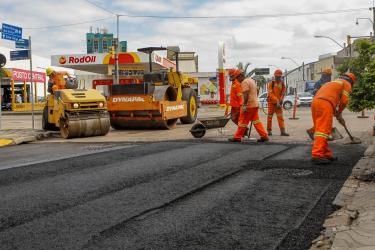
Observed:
{"x":261,"y":41}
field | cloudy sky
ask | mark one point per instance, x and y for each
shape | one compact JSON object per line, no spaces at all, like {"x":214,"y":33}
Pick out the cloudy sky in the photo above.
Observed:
{"x":262,"y":39}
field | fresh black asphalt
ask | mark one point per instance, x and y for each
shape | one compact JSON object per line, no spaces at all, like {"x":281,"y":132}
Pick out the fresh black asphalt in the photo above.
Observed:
{"x":166,"y":195}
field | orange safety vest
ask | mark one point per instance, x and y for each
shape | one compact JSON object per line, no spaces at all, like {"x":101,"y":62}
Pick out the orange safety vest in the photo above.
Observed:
{"x":58,"y":80}
{"x":336,"y":92}
{"x":236,"y":98}
{"x":276,"y":91}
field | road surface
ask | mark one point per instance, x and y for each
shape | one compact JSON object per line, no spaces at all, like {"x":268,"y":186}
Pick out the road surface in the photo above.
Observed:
{"x":166,"y":195}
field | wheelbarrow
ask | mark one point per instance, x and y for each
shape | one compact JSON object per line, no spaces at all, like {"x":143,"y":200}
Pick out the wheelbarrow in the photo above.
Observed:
{"x":199,"y":129}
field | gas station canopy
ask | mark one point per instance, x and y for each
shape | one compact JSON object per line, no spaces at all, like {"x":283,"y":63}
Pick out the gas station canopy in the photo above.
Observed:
{"x":103,"y":63}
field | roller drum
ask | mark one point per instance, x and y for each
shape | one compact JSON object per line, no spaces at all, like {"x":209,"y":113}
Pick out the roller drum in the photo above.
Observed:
{"x":84,"y":127}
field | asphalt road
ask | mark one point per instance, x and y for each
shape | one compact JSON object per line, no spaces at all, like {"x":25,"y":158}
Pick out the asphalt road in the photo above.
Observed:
{"x":168,"y":195}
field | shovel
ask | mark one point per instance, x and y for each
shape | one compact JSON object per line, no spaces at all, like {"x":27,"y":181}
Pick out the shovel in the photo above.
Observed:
{"x":353,"y":140}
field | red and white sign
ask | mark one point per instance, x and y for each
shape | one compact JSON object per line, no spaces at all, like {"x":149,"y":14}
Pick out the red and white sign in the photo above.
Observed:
{"x":24,"y":75}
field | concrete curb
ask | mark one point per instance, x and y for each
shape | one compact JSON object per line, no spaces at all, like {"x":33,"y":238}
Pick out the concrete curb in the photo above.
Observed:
{"x":16,"y":137}
{"x":353,"y":225}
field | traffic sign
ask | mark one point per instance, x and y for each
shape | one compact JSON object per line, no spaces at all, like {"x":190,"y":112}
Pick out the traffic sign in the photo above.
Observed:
{"x":262,"y":71}
{"x":22,"y":44}
{"x":19,"y":55}
{"x":11,"y":32}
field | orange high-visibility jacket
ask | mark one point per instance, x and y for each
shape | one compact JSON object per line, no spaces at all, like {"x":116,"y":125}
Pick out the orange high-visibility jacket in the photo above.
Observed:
{"x":58,"y":79}
{"x":336,"y":92}
{"x":276,"y":91}
{"x":236,"y":98}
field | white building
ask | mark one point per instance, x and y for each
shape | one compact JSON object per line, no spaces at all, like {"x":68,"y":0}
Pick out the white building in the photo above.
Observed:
{"x":297,"y":78}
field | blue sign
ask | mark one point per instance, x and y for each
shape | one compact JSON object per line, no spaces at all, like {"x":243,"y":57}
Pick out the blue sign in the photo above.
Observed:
{"x":19,"y":55}
{"x":11,"y":32}
{"x":22,"y":44}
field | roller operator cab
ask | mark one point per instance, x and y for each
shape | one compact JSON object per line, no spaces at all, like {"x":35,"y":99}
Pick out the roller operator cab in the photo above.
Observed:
{"x":76,"y":113}
{"x":157,"y":102}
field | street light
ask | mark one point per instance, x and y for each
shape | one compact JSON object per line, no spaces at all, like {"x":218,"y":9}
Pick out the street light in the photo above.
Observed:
{"x":330,"y":38}
{"x":288,"y":58}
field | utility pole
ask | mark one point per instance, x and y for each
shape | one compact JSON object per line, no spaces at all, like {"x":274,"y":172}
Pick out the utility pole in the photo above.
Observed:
{"x":117,"y":50}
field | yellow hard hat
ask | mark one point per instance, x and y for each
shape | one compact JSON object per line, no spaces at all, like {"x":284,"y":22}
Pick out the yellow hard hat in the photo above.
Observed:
{"x":49,"y":71}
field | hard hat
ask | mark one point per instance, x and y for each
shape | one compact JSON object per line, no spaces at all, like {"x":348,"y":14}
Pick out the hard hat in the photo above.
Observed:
{"x":278,"y":72}
{"x":49,"y":71}
{"x":234,"y":72}
{"x":351,"y":76}
{"x":327,"y":71}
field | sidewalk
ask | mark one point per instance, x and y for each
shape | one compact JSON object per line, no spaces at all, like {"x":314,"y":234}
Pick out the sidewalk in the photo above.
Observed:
{"x":18,"y":136}
{"x":353,"y":225}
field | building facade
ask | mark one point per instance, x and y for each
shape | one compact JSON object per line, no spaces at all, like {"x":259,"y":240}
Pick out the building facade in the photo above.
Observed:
{"x":298,"y":77}
{"x":102,"y":41}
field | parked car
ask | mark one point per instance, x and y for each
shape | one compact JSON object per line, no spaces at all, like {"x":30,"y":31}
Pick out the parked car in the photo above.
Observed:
{"x":287,"y":103}
{"x":305,"y":98}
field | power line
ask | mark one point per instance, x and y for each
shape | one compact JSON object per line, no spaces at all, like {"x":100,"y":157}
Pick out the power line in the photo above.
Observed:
{"x":249,"y":16}
{"x":68,"y":24}
{"x":198,"y":17}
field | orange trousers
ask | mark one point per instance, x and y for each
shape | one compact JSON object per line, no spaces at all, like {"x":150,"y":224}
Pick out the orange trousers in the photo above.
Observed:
{"x":235,"y":114}
{"x":272,"y":108}
{"x":252,"y":115}
{"x":322,"y":114}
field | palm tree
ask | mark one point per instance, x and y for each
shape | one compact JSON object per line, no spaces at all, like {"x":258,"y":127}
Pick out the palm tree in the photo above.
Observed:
{"x":243,"y":67}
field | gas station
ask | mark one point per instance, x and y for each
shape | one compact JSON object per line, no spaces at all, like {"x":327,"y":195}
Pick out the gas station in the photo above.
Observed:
{"x":132,"y":65}
{"x":16,"y":92}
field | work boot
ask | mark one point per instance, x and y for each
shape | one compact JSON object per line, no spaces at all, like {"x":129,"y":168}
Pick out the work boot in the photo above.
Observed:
{"x":283,"y":133}
{"x":263,"y":139}
{"x":320,"y":161}
{"x":269,"y":132}
{"x":310,"y":134}
{"x":233,"y":140}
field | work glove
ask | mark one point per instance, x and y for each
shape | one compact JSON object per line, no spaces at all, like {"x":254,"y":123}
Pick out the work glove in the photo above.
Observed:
{"x":244,"y":108}
{"x":278,"y":105}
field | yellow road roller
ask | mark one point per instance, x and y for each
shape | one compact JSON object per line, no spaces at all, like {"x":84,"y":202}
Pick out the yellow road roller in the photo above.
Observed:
{"x":76,"y":113}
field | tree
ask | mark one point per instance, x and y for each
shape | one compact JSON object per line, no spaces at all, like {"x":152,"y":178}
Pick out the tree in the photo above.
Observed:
{"x":244,"y":67}
{"x":363,"y":66}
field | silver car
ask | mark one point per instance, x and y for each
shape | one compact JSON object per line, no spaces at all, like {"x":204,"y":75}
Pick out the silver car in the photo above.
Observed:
{"x":287,"y":103}
{"x":305,"y":98}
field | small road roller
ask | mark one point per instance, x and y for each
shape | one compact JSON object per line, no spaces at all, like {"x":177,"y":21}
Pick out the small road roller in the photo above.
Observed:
{"x":76,"y":113}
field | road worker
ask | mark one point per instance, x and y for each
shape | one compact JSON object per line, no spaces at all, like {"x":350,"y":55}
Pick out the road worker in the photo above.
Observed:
{"x":276,"y":93}
{"x":326,"y":77}
{"x":56,"y":80}
{"x":235,"y":95}
{"x":249,"y":110}
{"x":330,"y":100}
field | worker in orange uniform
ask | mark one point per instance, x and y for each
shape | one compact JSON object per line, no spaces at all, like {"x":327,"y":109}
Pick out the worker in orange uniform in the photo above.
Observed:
{"x":332,"y":95}
{"x":56,"y":80}
{"x":276,"y":94}
{"x":235,"y":95}
{"x":326,"y":77}
{"x":249,"y":110}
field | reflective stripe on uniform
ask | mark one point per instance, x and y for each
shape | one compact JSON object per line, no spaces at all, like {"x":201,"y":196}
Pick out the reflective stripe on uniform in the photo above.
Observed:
{"x":256,"y":122}
{"x":242,"y":125}
{"x":239,"y":94}
{"x":345,"y":93}
{"x":320,"y":134}
{"x":339,"y":82}
{"x":270,"y":115}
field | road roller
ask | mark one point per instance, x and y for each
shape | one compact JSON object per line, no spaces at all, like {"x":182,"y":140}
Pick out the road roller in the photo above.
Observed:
{"x":76,"y":113}
{"x":158,"y":101}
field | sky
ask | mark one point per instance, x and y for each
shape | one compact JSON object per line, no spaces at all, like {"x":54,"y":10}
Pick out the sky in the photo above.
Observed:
{"x":261,"y":41}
